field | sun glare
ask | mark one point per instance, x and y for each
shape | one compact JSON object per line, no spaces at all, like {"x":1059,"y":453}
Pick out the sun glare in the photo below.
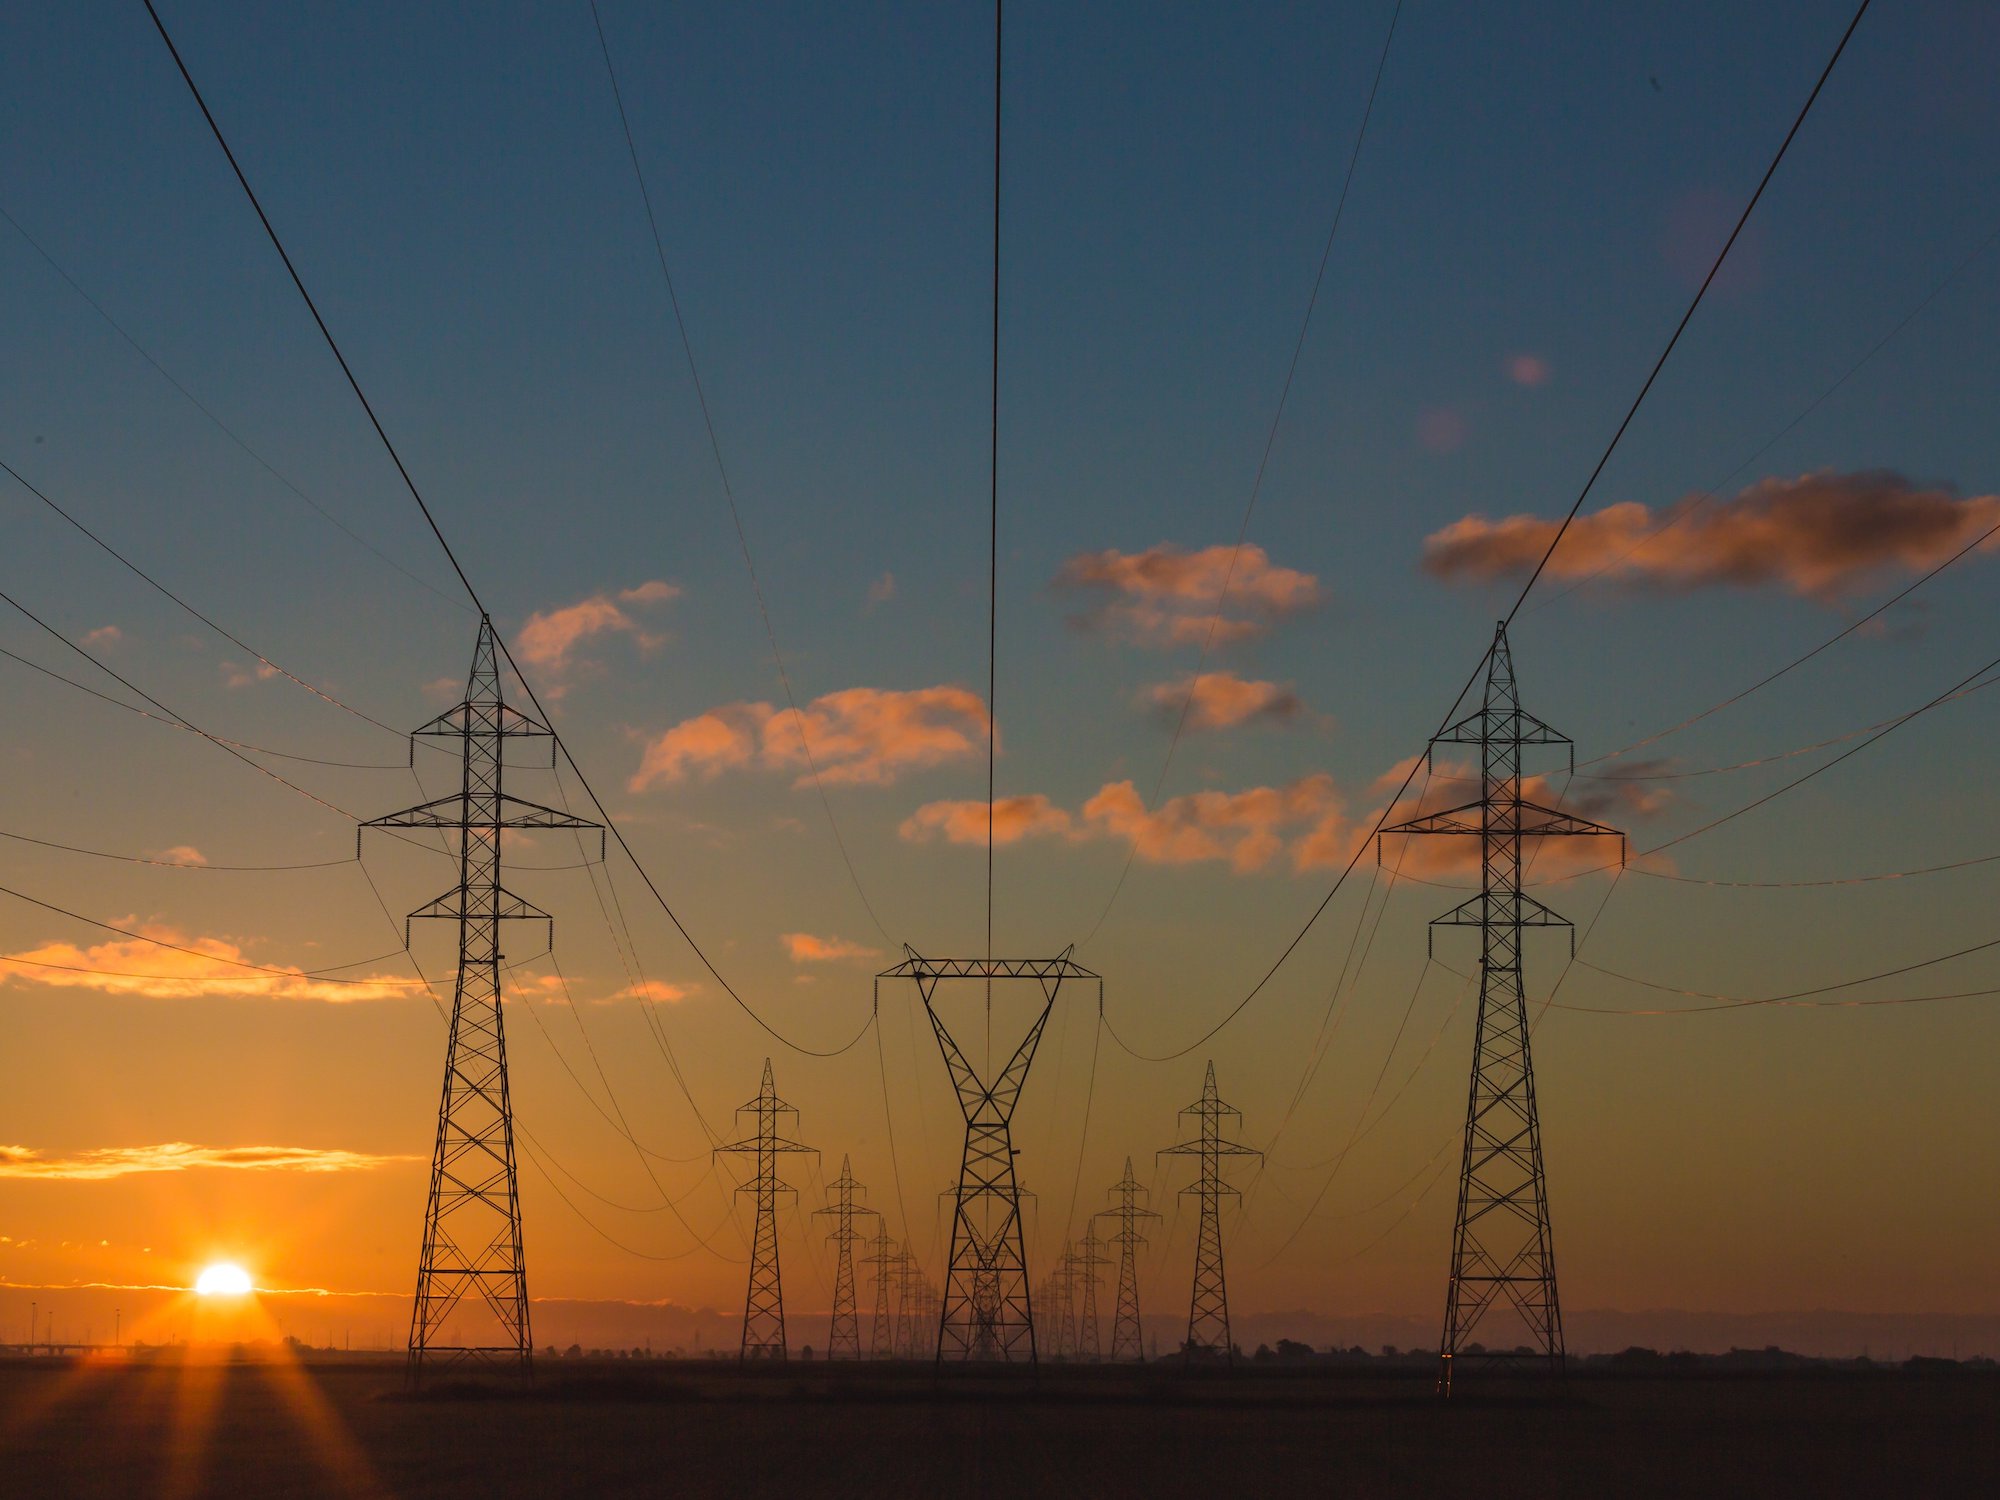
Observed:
{"x":222,"y":1280}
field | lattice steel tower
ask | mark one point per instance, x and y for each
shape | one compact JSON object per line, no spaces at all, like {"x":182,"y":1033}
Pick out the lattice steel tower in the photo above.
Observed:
{"x":1208,"y":1311}
{"x":986,"y":1312}
{"x":1127,"y":1337}
{"x":472,"y":1278}
{"x":843,"y":1338}
{"x":882,"y":1256}
{"x":1502,"y":1249}
{"x":1090,"y":1260}
{"x":764,"y":1305}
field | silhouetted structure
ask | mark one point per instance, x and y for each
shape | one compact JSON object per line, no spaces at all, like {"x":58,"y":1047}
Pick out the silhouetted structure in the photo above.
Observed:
{"x":986,"y":1312}
{"x":1127,"y":1342}
{"x":764,"y":1305}
{"x":843,"y":1340}
{"x":1090,"y":1260}
{"x":1208,"y":1309}
{"x":1501,"y":1243}
{"x":882,"y":1334}
{"x":472,"y":1275}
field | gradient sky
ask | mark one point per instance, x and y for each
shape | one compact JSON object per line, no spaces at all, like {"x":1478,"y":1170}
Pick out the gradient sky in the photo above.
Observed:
{"x":1540,"y":192}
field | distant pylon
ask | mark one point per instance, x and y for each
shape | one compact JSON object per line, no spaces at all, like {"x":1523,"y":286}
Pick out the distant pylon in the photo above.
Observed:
{"x":908,"y":1335}
{"x":843,"y":1340}
{"x":882,"y":1331}
{"x":987,"y":1312}
{"x":472,"y":1277}
{"x":764,"y":1305}
{"x":1208,"y":1310}
{"x":1127,"y":1339}
{"x":1090,"y":1259}
{"x":1501,"y":1242}
{"x":1061,"y":1319}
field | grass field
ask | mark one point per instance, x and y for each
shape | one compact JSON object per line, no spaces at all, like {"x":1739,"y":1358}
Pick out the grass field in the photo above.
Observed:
{"x":262,"y":1429}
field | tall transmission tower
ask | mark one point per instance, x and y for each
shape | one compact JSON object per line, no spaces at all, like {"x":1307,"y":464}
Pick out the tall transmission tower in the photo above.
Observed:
{"x":987,"y":1312}
{"x":764,"y":1305}
{"x":1061,"y":1319}
{"x":843,"y":1340}
{"x":881,"y":1337}
{"x":908,"y":1335}
{"x":1127,"y":1337}
{"x":472,"y":1276}
{"x":1090,"y":1260}
{"x":1208,"y":1310}
{"x":1502,"y":1248}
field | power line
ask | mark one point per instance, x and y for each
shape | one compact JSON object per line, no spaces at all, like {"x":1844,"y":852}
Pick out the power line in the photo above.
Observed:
{"x":722,"y":470}
{"x":430,"y":520}
{"x":172,"y":864}
{"x":1263,"y":462}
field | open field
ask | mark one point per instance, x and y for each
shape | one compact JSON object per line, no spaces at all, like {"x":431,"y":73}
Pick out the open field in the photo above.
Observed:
{"x":252,"y":1429}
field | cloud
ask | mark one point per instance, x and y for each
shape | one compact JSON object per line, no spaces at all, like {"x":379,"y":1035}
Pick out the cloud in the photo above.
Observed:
{"x":658,"y":991}
{"x":1528,"y":369}
{"x":1820,"y":536}
{"x":858,"y":735}
{"x":180,"y":854}
{"x":804,"y":948}
{"x":1166,"y":596}
{"x":235,"y":676}
{"x":1222,"y":700}
{"x":550,"y":638}
{"x":129,"y":966}
{"x":881,"y":591}
{"x":101,"y":1162}
{"x":1247,"y":828}
{"x":103,"y":635}
{"x":1014,"y":819}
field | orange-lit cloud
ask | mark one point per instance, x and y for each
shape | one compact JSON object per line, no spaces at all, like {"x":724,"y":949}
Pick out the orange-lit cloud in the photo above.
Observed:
{"x":858,"y":735}
{"x":656,"y":990}
{"x":1167,"y":596}
{"x":235,"y":676}
{"x":103,"y":635}
{"x":181,"y":854}
{"x":1528,"y":369}
{"x":804,"y":948}
{"x":1820,"y":536}
{"x":102,"y":1162}
{"x":550,"y":638}
{"x":129,"y":966}
{"x":1222,"y":700}
{"x":1014,"y":819}
{"x":1247,"y":828}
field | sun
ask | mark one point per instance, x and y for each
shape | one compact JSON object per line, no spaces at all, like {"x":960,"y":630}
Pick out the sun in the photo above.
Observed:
{"x":223,"y":1279}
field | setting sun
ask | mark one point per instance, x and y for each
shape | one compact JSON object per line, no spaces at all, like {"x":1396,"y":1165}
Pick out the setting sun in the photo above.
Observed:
{"x":222,"y":1279}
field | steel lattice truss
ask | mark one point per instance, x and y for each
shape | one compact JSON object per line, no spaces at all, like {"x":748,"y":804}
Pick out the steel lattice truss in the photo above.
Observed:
{"x":1502,"y":1248}
{"x":1090,"y":1260}
{"x":987,"y":1312}
{"x":1127,"y":1337}
{"x":1208,"y":1309}
{"x":472,"y":1282}
{"x":882,"y":1256}
{"x":843,"y":1340}
{"x":764,"y":1303}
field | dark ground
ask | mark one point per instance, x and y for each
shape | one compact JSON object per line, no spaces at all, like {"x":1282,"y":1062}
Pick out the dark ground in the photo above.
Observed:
{"x":254,"y":1430}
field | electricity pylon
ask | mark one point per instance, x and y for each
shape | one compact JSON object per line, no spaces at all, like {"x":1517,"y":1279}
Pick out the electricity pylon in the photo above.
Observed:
{"x":907,"y":1277}
{"x":1502,"y":1247}
{"x":1127,"y":1340}
{"x":764,"y":1305}
{"x":472,"y":1277}
{"x":987,"y":1312}
{"x":1090,"y":1259}
{"x":1062,"y":1306}
{"x":1208,"y":1310}
{"x":843,"y":1338}
{"x":881,"y":1336}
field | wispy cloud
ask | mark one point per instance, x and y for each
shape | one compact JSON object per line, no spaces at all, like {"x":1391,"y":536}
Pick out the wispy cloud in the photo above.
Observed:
{"x":804,"y":948}
{"x":858,"y":735}
{"x":881,"y":591}
{"x":102,"y":1162}
{"x":1014,"y":819}
{"x":102,"y":636}
{"x":180,"y":854}
{"x":550,"y":638}
{"x":1820,"y":536}
{"x":1167,"y":596}
{"x":659,"y":991}
{"x":1528,"y":369}
{"x":129,"y":966}
{"x":1222,"y":700}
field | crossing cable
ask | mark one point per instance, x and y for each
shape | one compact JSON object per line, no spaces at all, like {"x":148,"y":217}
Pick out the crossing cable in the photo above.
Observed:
{"x":221,"y":426}
{"x":171,"y":864}
{"x":1263,"y":462}
{"x":1555,"y":541}
{"x":722,"y":471}
{"x":147,"y":578}
{"x":457,"y":568}
{"x":311,"y":760}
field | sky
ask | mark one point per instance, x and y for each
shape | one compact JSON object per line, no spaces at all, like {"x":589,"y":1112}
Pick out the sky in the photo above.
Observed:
{"x":1539,"y":194}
